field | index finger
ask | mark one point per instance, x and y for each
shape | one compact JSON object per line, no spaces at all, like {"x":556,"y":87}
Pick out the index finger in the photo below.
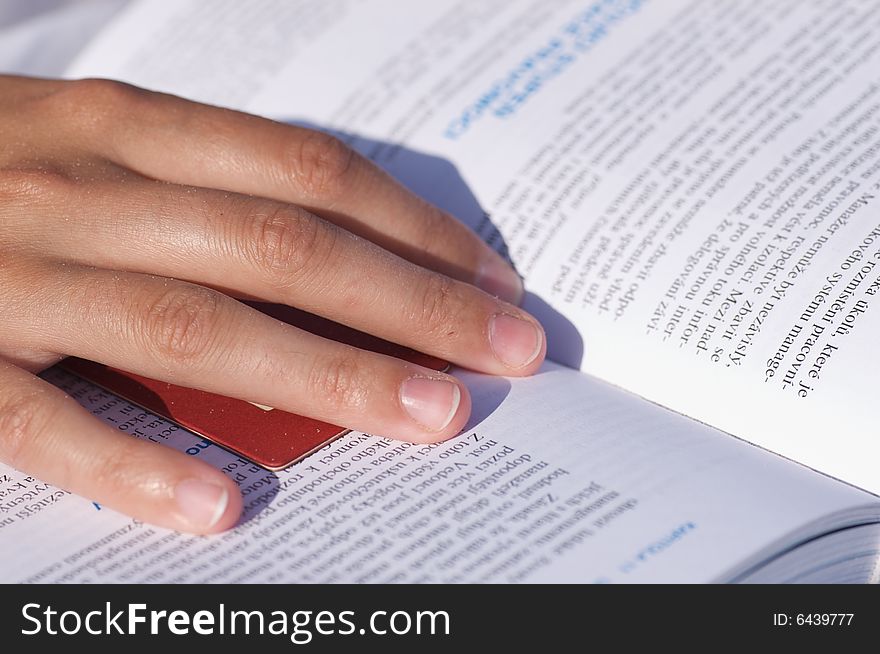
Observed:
{"x":45,"y":433}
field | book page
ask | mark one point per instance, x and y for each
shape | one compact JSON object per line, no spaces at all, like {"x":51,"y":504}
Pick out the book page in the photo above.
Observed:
{"x":40,"y":38}
{"x":559,"y":478}
{"x":689,"y":188}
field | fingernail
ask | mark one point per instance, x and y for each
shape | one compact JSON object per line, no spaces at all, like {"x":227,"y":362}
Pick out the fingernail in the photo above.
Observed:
{"x":201,"y":503}
{"x":497,"y":278}
{"x":516,"y":342}
{"x":430,"y":402}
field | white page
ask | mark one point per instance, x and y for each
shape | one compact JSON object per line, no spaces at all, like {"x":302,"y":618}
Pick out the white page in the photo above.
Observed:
{"x":736,"y":87}
{"x":41,"y":38}
{"x":560,"y":478}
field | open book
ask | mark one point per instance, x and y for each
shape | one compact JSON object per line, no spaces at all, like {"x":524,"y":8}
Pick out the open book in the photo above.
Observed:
{"x":690,"y":192}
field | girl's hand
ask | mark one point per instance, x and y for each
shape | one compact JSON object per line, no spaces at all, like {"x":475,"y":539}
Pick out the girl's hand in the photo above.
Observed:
{"x":129,"y":221}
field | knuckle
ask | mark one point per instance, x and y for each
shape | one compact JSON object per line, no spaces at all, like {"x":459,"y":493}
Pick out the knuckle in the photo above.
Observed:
{"x":89,"y":101}
{"x":101,"y":90}
{"x":338,"y":380}
{"x":119,"y":467}
{"x":320,"y":164}
{"x":181,"y":324}
{"x":30,"y":185}
{"x":22,"y":426}
{"x":437,"y":312}
{"x":287,"y":245}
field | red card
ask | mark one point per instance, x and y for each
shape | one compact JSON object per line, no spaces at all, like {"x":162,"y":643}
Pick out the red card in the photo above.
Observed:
{"x":269,"y":437}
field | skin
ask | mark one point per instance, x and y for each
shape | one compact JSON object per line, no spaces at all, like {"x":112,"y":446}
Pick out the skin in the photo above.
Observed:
{"x":132,"y":222}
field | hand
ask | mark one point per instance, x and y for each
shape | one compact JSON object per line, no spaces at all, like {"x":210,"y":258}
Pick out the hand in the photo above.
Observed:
{"x":129,"y":223}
